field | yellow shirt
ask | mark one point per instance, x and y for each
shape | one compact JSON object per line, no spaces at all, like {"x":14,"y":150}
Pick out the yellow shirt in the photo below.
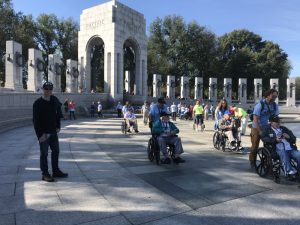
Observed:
{"x":198,"y":109}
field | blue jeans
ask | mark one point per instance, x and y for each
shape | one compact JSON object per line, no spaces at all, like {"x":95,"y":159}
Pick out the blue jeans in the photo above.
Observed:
{"x":286,"y":156}
{"x":52,"y":141}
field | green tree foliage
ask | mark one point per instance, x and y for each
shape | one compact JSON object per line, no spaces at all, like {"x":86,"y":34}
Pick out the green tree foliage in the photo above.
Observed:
{"x":244,"y":54}
{"x":57,"y":36}
{"x":17,"y":27}
{"x":177,"y":48}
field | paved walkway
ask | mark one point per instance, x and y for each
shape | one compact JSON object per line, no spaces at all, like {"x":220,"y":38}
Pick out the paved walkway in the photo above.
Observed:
{"x":112,"y":182}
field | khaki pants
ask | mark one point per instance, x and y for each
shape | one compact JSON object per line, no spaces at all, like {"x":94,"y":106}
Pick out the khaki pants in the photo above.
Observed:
{"x":255,"y":138}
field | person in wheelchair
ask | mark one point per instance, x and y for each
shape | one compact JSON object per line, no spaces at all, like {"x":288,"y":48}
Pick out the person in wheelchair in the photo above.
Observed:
{"x":227,"y":124}
{"x":167,"y":134}
{"x":284,"y":141}
{"x":131,"y":121}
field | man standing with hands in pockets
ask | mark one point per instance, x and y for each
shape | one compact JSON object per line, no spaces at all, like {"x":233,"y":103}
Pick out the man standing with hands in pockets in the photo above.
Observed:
{"x":46,"y":119}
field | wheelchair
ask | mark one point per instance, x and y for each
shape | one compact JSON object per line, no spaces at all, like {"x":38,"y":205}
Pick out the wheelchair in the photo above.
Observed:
{"x":221,"y":142}
{"x":153,"y":150}
{"x":268,"y":162}
{"x":125,"y":128}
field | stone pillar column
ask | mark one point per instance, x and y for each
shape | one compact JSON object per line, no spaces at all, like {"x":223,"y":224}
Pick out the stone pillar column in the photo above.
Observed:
{"x":156,"y":85}
{"x":274,"y":85}
{"x":35,"y":70}
{"x":291,"y":92}
{"x":228,"y":90}
{"x":72,"y":74}
{"x":81,"y":86}
{"x":257,"y":90}
{"x":171,"y":86}
{"x":127,"y":81}
{"x":185,"y":90}
{"x":213,"y":90}
{"x":243,"y":90}
{"x":198,"y":88}
{"x":55,"y":71}
{"x":14,"y":62}
{"x":145,"y":76}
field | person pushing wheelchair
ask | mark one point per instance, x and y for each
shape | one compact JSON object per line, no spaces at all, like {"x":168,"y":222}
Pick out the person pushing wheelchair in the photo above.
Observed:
{"x":167,"y":134}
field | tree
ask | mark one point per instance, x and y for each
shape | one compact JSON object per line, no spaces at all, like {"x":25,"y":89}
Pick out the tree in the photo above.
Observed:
{"x":17,"y":27}
{"x":177,"y":48}
{"x":244,"y":54}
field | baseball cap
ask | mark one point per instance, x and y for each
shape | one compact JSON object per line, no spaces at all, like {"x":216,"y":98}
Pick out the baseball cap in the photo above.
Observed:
{"x":48,"y":84}
{"x":274,"y":118}
{"x":161,"y":100}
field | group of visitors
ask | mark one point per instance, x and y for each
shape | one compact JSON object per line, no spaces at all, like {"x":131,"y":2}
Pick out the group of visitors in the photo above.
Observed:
{"x":69,"y":108}
{"x":96,"y":108}
{"x":265,"y":126}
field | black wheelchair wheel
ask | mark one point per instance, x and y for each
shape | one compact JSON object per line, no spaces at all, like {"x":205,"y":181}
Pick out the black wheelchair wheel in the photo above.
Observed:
{"x":150,"y":150}
{"x":263,"y":162}
{"x":276,"y":168}
{"x":156,"y":152}
{"x":171,"y":151}
{"x":216,"y":140}
{"x":123,"y":128}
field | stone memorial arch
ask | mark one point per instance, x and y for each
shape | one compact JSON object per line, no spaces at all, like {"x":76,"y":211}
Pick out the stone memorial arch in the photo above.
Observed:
{"x":111,"y":31}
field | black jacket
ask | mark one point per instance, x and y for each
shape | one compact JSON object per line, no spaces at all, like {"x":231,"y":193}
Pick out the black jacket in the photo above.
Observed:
{"x":269,"y":135}
{"x":46,"y":115}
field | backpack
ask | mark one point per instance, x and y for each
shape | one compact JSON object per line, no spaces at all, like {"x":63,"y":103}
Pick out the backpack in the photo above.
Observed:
{"x":262,"y":108}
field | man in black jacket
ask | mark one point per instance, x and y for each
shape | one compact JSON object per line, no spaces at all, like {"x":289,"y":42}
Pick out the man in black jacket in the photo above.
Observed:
{"x":46,"y":119}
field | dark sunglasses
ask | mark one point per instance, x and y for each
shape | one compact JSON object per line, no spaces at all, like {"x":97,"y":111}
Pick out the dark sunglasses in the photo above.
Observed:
{"x":48,"y":88}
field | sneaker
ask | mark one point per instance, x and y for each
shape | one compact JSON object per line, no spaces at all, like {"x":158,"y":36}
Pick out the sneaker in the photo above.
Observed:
{"x":60,"y":174}
{"x":179,"y":160}
{"x":232,"y":143}
{"x":166,"y":161}
{"x":129,"y":131}
{"x":136,"y":131}
{"x":48,"y":178}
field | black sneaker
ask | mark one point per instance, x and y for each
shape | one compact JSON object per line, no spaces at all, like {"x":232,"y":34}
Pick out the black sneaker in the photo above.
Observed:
{"x":179,"y":160}
{"x":136,"y":131}
{"x":166,"y":161}
{"x":60,"y":174}
{"x":48,"y":178}
{"x":129,"y":131}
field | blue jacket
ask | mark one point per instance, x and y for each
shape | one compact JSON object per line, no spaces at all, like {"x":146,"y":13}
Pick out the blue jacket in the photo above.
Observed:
{"x":158,"y":128}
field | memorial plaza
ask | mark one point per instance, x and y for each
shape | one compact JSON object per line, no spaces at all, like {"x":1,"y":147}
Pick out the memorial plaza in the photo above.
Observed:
{"x":110,"y":178}
{"x":111,"y":181}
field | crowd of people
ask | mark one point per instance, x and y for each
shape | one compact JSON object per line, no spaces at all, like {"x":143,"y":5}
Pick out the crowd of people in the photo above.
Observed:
{"x":233,"y":120}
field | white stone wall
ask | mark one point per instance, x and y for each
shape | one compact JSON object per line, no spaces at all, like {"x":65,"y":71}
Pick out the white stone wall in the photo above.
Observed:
{"x":54,"y":72}
{"x":291,"y":92}
{"x":243,"y":90}
{"x":199,"y":88}
{"x":213,"y":90}
{"x":35,"y":74}
{"x":13,"y":71}
{"x":157,"y":83}
{"x":257,"y":90}
{"x":274,"y":85}
{"x":184,"y":87}
{"x":71,"y":78}
{"x":171,"y":86}
{"x":227,"y":90}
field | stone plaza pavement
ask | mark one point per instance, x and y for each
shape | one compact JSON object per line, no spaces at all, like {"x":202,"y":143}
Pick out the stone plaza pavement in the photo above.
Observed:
{"x":112,"y":182}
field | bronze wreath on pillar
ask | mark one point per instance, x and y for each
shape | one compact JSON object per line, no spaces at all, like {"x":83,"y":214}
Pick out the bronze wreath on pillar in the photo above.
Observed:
{"x":40,"y":65}
{"x":75,"y":72}
{"x":20,"y":59}
{"x":57,"y":69}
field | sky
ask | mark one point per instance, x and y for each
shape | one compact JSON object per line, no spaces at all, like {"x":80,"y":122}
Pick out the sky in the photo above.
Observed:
{"x":273,"y":20}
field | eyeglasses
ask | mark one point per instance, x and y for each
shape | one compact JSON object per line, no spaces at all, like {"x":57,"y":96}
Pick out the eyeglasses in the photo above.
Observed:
{"x":48,"y":88}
